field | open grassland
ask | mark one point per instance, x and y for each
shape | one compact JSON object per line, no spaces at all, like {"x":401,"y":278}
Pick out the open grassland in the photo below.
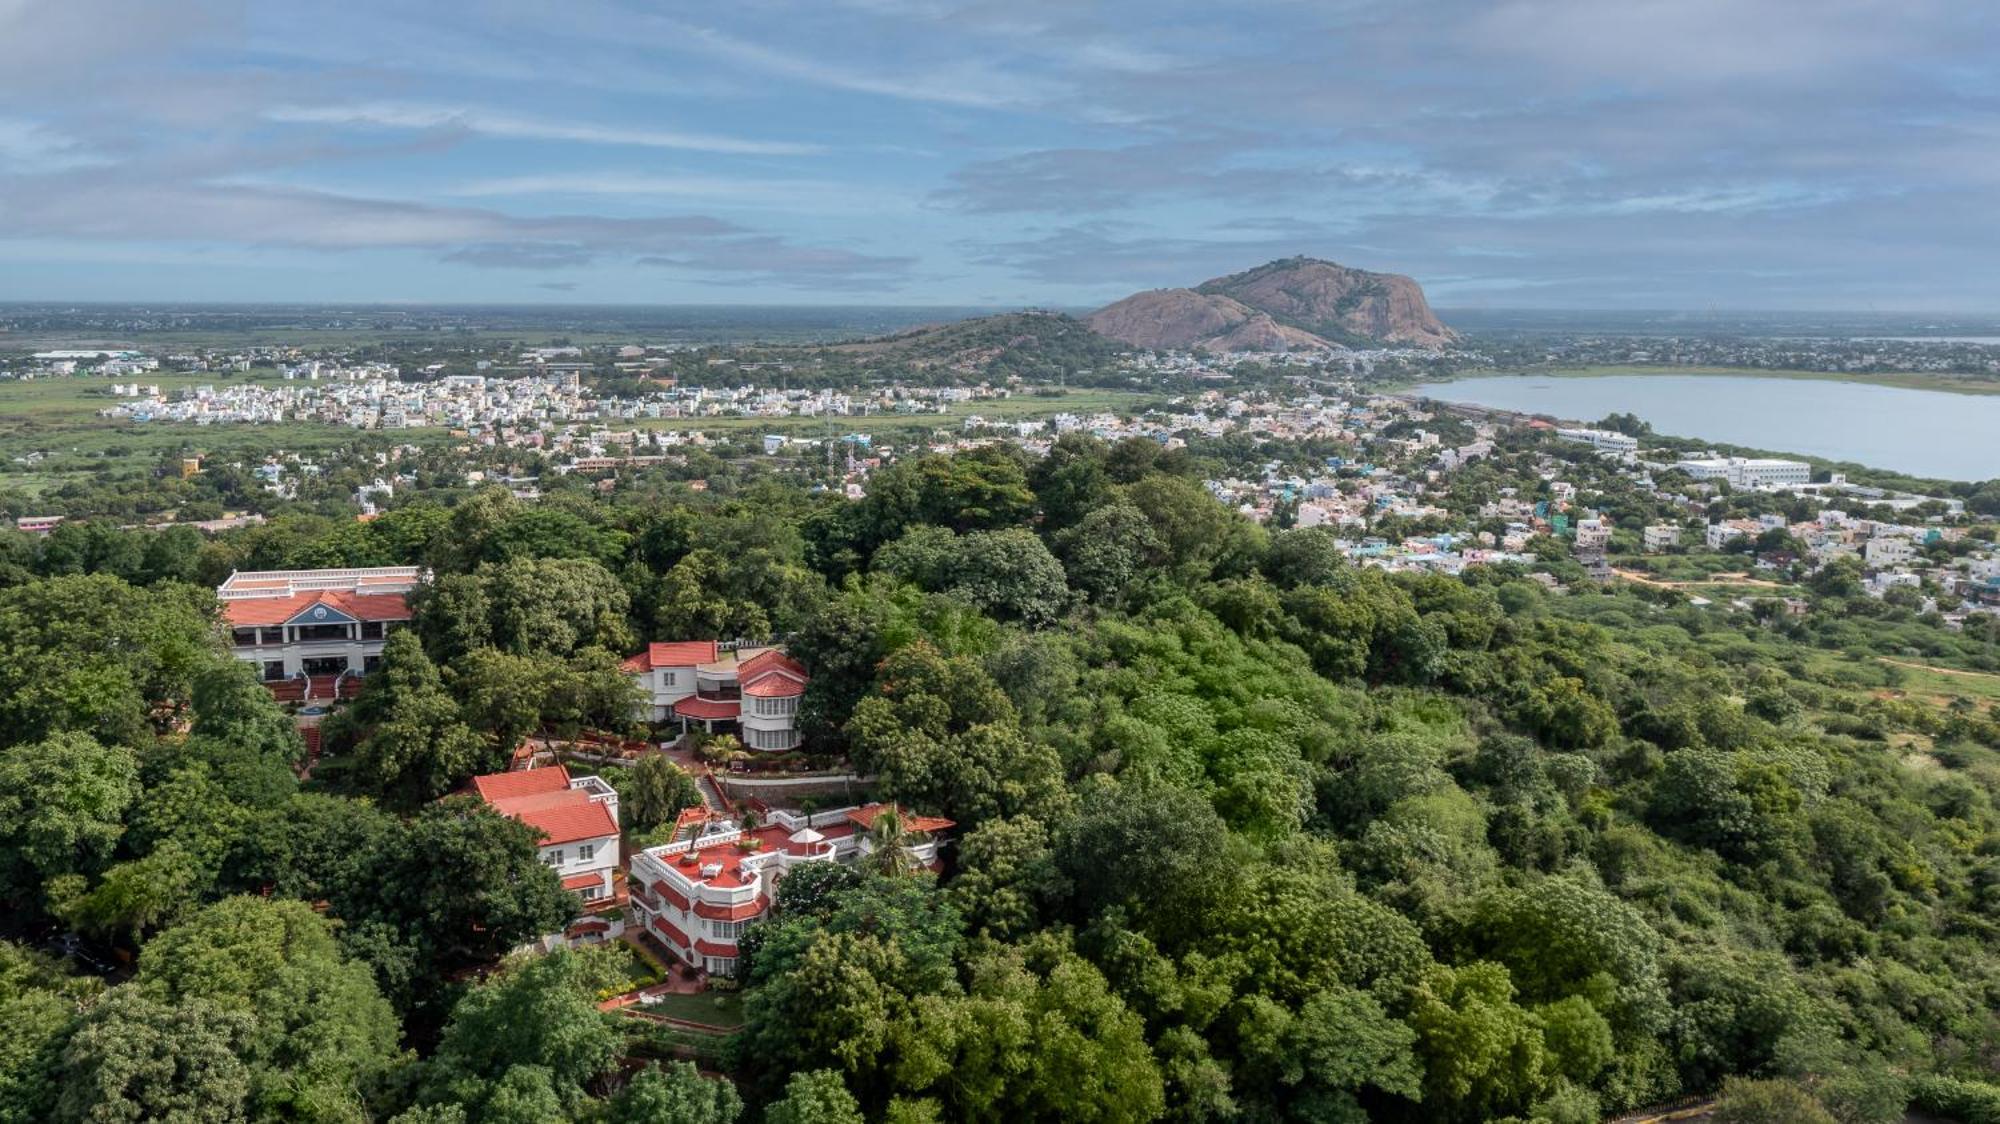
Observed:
{"x":1913,"y":680}
{"x":54,"y":424}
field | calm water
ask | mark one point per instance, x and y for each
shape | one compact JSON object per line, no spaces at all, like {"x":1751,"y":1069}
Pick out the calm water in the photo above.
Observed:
{"x":1921,"y":432}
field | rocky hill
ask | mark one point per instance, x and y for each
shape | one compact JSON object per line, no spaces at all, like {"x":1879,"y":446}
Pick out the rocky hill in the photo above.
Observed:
{"x":1287,"y":305}
{"x":1030,"y":344}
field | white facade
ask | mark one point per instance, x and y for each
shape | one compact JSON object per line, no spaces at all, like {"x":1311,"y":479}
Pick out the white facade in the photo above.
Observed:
{"x":299,"y":624}
{"x":696,"y":895}
{"x":1662,"y":536}
{"x":1608,"y":440}
{"x":1887,"y":551}
{"x":1747,"y":472}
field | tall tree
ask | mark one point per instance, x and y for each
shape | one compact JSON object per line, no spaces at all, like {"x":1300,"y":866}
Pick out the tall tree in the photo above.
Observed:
{"x":62,"y":809}
{"x":321,"y":1035}
{"x":404,"y":738}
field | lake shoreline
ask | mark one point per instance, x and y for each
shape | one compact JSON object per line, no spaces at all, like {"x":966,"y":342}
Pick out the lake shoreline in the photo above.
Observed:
{"x":1902,"y":432}
{"x":1911,"y":380}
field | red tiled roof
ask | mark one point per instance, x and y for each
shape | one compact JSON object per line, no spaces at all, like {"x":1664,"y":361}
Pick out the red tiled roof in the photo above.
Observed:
{"x":582,"y":881}
{"x":712,"y":948}
{"x":567,"y":817}
{"x":265,"y":612}
{"x":678,"y":653}
{"x":741,"y":912}
{"x":775,"y":685}
{"x":667,"y":930}
{"x":542,"y":799}
{"x":672,"y":896}
{"x":495,"y":787}
{"x":636,"y":663}
{"x":590,"y":926}
{"x":767,"y":661}
{"x":867,"y":815}
{"x":694,"y":706}
{"x":864,"y":818}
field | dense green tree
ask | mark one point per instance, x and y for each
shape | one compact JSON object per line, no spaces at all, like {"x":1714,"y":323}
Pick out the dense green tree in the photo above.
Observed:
{"x":321,"y":1036}
{"x":817,"y":1097}
{"x":62,"y":809}
{"x":137,"y":1058}
{"x":675,"y":1093}
{"x":555,"y":606}
{"x":93,"y":654}
{"x":405,"y":738}
{"x":657,"y":793}
{"x":39,"y":1006}
{"x":533,"y":1029}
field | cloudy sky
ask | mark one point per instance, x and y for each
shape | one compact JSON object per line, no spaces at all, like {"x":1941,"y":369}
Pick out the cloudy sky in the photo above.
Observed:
{"x":1773,"y":154}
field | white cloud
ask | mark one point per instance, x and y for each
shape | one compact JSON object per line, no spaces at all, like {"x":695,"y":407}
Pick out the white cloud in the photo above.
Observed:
{"x":797,"y":195}
{"x":399,"y":115}
{"x":29,"y":146}
{"x":968,"y":82}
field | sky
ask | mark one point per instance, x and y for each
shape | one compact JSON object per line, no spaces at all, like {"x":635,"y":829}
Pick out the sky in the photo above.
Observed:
{"x":1684,"y":154}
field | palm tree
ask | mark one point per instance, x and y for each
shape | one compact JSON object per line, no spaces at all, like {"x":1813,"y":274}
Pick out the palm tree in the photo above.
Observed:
{"x":887,"y":837}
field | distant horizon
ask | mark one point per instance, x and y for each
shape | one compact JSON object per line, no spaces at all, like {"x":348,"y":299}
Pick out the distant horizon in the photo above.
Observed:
{"x":1749,"y":311}
{"x":1510,"y":154}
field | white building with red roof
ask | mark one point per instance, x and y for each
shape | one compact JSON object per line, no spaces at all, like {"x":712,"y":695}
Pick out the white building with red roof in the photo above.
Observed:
{"x":313,"y":633}
{"x":576,"y":817}
{"x":752,"y":690}
{"x":695,"y":895}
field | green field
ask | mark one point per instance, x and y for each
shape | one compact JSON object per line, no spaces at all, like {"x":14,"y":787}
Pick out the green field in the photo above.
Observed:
{"x":57,"y":418}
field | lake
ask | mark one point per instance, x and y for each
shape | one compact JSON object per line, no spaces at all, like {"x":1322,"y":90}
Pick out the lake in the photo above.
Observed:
{"x":1921,"y":432}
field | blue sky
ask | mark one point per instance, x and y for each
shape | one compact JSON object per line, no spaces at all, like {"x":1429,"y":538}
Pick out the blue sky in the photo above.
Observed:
{"x":1771,"y":154}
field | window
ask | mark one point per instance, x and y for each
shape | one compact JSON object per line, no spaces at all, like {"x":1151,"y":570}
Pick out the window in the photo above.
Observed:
{"x":585,"y":852}
{"x":274,"y":670}
{"x":369,"y":664}
{"x":243,"y":637}
{"x":668,"y":678}
{"x":593,"y":891}
{"x":772,"y":739}
{"x":371,"y":630}
{"x":271,"y":636}
{"x":554,"y":858}
{"x":728,"y":930}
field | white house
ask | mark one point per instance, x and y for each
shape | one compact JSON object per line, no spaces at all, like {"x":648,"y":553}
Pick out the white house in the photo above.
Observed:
{"x":577,"y":820}
{"x":695,"y":895}
{"x":753,"y":690}
{"x":312,"y":633}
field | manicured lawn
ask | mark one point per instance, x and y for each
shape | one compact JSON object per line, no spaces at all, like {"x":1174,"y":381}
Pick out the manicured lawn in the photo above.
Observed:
{"x":715,"y":1008}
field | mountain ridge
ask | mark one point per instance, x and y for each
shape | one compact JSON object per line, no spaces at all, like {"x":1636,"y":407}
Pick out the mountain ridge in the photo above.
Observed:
{"x":1290,"y":304}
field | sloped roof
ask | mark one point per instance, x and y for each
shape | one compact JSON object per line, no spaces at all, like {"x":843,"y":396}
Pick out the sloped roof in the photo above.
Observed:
{"x":495,"y":787}
{"x":775,"y":685}
{"x":696,"y":707}
{"x":265,"y":612}
{"x":865,"y":816}
{"x":768,"y":661}
{"x":677,"y":653}
{"x":543,"y":799}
